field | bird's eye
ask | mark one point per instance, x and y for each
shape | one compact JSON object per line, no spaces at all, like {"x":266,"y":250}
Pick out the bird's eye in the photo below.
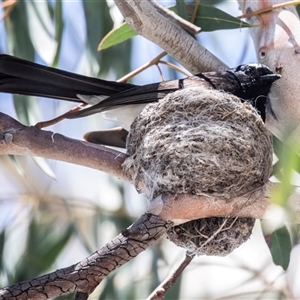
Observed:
{"x":249,"y":70}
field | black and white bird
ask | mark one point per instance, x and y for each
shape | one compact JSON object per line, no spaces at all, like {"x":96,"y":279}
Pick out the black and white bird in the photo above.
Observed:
{"x":122,"y":102}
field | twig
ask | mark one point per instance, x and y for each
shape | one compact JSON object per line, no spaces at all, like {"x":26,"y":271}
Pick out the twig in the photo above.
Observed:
{"x":161,"y":290}
{"x":174,"y":67}
{"x":195,"y":10}
{"x":152,"y":62}
{"x":267,"y":9}
{"x":55,"y":120}
{"x":8,"y":5}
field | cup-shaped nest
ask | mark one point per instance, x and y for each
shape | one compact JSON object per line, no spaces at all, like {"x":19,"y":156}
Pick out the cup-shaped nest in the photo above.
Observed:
{"x":199,"y":141}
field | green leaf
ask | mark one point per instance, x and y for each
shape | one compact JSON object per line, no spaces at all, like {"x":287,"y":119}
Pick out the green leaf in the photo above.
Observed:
{"x":298,"y":9}
{"x":98,"y":24}
{"x":181,"y":9}
{"x":210,"y":18}
{"x":41,"y":28}
{"x":117,"y":36}
{"x":59,"y":27}
{"x":18,"y":37}
{"x":2,"y":242}
{"x":25,"y":106}
{"x":44,"y":244}
{"x":280,"y":246}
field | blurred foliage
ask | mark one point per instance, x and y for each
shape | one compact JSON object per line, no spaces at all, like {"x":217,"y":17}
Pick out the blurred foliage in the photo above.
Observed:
{"x":48,"y":232}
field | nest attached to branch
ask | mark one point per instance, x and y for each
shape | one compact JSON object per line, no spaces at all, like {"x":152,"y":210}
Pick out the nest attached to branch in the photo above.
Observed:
{"x":199,"y":141}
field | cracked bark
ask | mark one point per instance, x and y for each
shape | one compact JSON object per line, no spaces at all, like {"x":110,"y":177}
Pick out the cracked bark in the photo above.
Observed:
{"x":84,"y":276}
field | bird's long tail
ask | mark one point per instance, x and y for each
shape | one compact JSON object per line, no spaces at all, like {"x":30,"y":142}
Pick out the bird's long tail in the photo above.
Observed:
{"x":19,"y":76}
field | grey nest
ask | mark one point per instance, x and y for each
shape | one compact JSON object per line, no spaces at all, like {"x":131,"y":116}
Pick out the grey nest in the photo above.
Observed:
{"x":199,"y":141}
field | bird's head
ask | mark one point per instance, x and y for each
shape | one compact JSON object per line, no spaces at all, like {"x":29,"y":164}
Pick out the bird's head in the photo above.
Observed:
{"x":255,"y":80}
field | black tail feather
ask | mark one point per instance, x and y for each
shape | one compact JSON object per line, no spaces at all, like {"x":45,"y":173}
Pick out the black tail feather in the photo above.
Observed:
{"x":19,"y":76}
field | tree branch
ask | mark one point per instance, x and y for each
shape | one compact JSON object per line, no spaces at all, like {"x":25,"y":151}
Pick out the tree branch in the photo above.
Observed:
{"x":148,"y":22}
{"x":181,"y":208}
{"x":161,"y":290}
{"x":18,"y":139}
{"x":85,"y":276}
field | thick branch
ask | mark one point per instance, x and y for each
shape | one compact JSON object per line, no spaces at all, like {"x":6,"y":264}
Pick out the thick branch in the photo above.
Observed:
{"x":84,"y":276}
{"x":18,"y":139}
{"x":181,"y":208}
{"x":149,"y":23}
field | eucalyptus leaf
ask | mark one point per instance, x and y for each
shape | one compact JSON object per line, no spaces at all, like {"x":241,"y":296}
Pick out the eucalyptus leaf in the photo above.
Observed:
{"x":17,"y":165}
{"x":41,"y":29}
{"x":117,"y":36}
{"x":181,"y":9}
{"x":18,"y":37}
{"x":2,"y":242}
{"x":280,"y":246}
{"x":44,"y":244}
{"x":210,"y":18}
{"x":298,"y":9}
{"x":59,"y":27}
{"x":98,"y":23}
{"x":44,"y":166}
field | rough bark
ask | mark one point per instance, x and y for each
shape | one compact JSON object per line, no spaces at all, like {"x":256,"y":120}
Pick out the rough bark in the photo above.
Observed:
{"x":84,"y":276}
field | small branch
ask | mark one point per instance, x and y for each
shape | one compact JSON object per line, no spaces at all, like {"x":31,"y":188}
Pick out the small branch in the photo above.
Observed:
{"x":18,"y":139}
{"x":85,"y":276}
{"x":140,"y":69}
{"x":161,"y":290}
{"x":148,"y":22}
{"x":268,"y":9}
{"x":63,"y":116}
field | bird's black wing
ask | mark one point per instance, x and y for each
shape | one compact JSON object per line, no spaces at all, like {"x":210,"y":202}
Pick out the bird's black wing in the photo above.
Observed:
{"x":142,"y":95}
{"x":20,"y":76}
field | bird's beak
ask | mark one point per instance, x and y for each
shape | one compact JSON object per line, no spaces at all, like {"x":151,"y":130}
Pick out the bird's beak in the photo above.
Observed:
{"x":269,"y":78}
